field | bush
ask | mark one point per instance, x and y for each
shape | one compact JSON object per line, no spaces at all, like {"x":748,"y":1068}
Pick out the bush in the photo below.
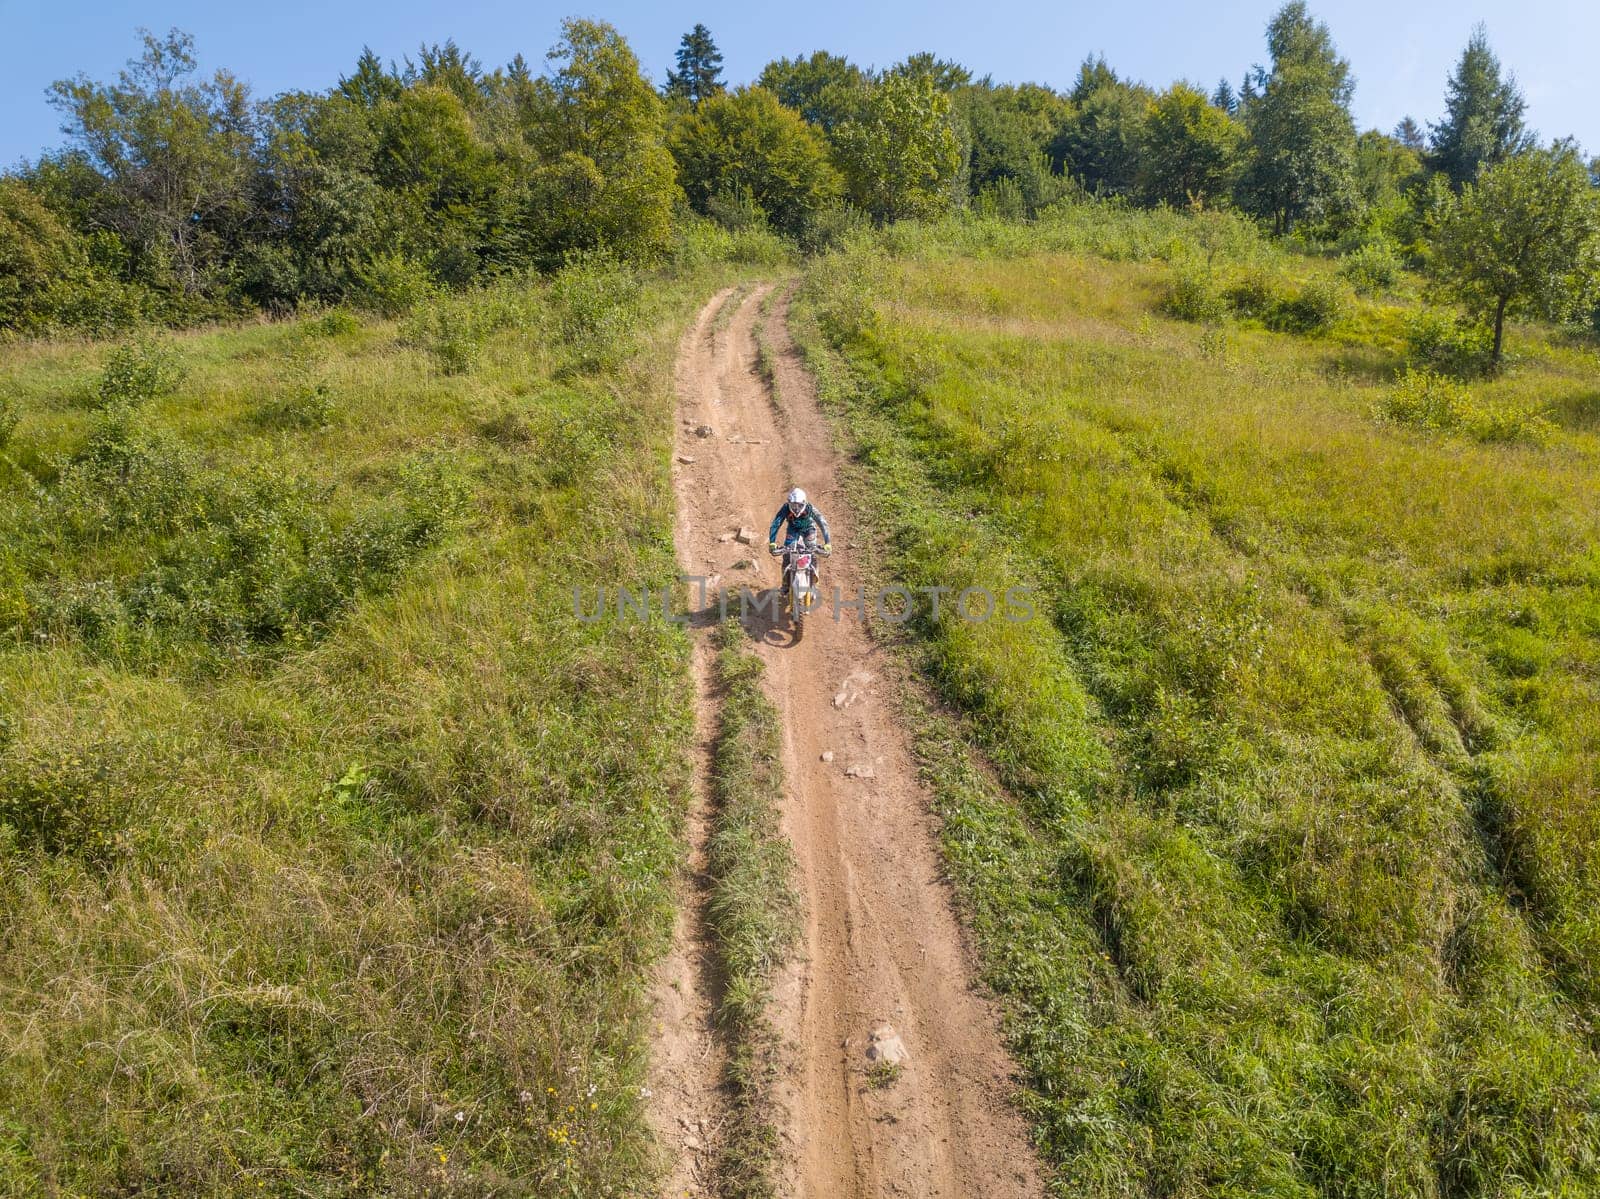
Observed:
{"x":830,"y":227}
{"x":1253,"y":295}
{"x":336,"y":322}
{"x":1316,"y":308}
{"x":1373,"y":269}
{"x":593,"y":303}
{"x":1424,"y":399}
{"x":1193,"y":296}
{"x":392,"y":284}
{"x":70,"y":803}
{"x":1446,"y":342}
{"x":125,"y":478}
{"x":137,"y":372}
{"x":306,"y":406}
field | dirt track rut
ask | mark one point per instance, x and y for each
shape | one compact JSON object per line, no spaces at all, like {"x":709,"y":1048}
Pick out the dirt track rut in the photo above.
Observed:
{"x":881,"y":942}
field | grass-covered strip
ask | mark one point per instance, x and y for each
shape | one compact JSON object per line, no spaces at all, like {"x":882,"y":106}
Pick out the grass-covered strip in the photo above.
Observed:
{"x":1287,"y":904}
{"x":333,"y":851}
{"x":752,"y":911}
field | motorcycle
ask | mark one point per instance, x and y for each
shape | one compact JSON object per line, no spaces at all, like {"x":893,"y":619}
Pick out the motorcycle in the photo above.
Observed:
{"x":800,"y":573}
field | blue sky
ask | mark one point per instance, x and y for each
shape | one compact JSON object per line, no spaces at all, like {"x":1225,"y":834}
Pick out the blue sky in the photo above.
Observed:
{"x":1401,"y":51}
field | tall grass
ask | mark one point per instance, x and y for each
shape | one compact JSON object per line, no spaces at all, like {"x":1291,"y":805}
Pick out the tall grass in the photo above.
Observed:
{"x":334,"y":852}
{"x":1280,"y":889}
{"x":753,"y":911}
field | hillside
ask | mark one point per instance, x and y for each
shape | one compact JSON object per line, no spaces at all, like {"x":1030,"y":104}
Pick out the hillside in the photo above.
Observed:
{"x":335,"y":852}
{"x":339,"y":856}
{"x":1286,"y":865}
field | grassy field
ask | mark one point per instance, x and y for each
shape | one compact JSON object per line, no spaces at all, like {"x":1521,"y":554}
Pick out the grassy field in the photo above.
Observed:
{"x":1287,"y":864}
{"x":333,"y":851}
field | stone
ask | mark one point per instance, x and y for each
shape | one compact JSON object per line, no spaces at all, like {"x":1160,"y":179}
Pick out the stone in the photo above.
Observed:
{"x":885,"y":1047}
{"x":827,"y":755}
{"x":745,"y":536}
{"x":686,"y":459}
{"x":859,"y":771}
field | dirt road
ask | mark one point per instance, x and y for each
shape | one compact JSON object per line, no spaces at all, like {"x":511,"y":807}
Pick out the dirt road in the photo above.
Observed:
{"x":881,"y":943}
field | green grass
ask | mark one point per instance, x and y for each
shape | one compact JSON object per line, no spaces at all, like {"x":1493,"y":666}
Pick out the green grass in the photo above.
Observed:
{"x":1286,"y":864}
{"x":753,"y":910}
{"x":334,"y":853}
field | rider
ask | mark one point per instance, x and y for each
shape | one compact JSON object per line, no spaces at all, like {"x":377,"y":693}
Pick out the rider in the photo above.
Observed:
{"x":805,"y":522}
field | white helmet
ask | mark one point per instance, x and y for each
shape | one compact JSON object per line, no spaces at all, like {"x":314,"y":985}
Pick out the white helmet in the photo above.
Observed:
{"x":797,"y":502}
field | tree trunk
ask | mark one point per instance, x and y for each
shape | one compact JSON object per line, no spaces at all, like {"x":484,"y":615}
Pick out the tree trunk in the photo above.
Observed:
{"x":1499,"y":331}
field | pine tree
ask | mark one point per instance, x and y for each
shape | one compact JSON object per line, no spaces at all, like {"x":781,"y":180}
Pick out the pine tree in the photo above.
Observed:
{"x":1483,"y":115}
{"x":1226,"y":98}
{"x":699,"y":73}
{"x":1409,"y":134}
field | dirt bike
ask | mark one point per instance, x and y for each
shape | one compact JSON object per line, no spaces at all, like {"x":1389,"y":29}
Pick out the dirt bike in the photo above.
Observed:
{"x":800,"y":573}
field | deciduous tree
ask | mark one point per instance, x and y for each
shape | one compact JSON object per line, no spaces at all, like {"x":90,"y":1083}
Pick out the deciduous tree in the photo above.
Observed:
{"x":1302,"y":137}
{"x":745,"y":143}
{"x":900,"y":154}
{"x":1524,"y":235}
{"x":1189,"y":150}
{"x":175,"y":155}
{"x":607,"y":177}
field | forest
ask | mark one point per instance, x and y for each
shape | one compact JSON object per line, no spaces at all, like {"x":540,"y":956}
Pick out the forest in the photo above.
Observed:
{"x":180,"y":198}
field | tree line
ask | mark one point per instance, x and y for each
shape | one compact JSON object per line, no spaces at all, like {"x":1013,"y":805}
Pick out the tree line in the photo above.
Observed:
{"x":178,"y":197}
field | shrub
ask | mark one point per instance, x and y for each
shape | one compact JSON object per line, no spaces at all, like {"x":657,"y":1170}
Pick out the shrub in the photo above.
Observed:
{"x":1424,"y":399}
{"x":593,"y":302}
{"x":831,"y":226}
{"x":336,"y":322}
{"x":1193,"y":296}
{"x":1315,"y":308}
{"x":9,"y":416}
{"x":736,"y":210}
{"x":75,"y":803}
{"x":392,"y":284}
{"x":305,"y":406}
{"x":1373,"y":269}
{"x":125,"y":478}
{"x":1253,"y":295}
{"x":1446,"y":342}
{"x":137,"y":372}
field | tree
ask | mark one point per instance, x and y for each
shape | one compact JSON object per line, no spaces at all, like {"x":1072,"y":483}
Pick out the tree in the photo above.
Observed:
{"x":321,"y":214}
{"x":1302,"y":136}
{"x":1189,"y":149}
{"x":1525,"y":235}
{"x":1098,"y":144}
{"x":745,"y":143}
{"x":699,"y":73}
{"x":947,"y":76}
{"x":175,"y":156}
{"x":606,"y":177}
{"x":1008,"y":130}
{"x":369,"y":84}
{"x":1226,"y":98}
{"x":825,"y":89}
{"x":36,"y":249}
{"x":1409,"y":134}
{"x":1384,"y":168}
{"x":1483,"y":115}
{"x":900,"y":155}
